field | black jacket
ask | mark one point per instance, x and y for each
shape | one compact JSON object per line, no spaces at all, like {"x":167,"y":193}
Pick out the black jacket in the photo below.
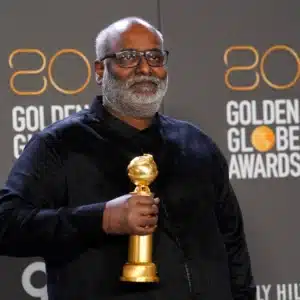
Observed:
{"x":52,"y":205}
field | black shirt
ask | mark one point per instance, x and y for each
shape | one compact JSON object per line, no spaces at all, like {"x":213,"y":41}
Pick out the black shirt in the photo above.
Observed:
{"x":52,"y":205}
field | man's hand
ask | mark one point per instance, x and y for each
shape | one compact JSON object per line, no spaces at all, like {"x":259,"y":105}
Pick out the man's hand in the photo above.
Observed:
{"x":131,"y":214}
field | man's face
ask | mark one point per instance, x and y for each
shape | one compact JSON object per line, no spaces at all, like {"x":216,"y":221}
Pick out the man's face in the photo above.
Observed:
{"x":133,"y":89}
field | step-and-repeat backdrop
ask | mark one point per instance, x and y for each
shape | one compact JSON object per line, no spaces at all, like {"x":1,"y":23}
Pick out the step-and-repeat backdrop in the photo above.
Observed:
{"x":234,"y":71}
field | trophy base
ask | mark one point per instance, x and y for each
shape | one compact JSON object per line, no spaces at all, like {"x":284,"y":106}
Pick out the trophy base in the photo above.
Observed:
{"x":140,"y":272}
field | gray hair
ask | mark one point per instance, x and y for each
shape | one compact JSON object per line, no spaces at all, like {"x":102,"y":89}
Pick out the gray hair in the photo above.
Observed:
{"x":104,"y":37}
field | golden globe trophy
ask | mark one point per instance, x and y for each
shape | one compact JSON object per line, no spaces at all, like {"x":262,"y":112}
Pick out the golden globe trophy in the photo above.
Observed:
{"x":142,"y":171}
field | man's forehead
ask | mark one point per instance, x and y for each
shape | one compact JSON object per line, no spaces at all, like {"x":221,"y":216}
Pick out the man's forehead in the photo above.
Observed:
{"x":135,"y":36}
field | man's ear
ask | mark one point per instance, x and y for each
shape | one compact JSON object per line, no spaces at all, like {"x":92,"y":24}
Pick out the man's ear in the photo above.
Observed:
{"x":99,"y":70}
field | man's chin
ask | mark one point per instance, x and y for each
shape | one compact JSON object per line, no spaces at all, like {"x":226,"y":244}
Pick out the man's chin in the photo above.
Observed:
{"x":144,"y":99}
{"x":144,"y":90}
{"x":144,"y":94}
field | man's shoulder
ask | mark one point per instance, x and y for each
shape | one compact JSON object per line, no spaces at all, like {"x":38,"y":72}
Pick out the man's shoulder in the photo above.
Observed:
{"x":69,"y":125}
{"x":193,"y":140}
{"x":185,"y":130}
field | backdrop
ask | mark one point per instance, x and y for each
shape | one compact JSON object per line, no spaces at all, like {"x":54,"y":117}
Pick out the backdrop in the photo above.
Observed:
{"x":234,"y":71}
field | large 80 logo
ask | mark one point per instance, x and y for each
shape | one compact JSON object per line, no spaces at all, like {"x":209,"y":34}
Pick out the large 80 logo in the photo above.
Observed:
{"x":46,"y":77}
{"x":257,"y":68}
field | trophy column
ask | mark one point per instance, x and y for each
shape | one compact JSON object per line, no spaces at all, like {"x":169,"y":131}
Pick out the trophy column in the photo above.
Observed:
{"x":142,"y":170}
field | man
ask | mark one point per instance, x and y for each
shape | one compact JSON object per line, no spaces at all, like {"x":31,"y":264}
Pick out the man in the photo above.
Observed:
{"x":67,"y":198}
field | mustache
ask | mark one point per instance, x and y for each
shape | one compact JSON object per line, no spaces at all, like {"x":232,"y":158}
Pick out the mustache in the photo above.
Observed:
{"x":130,"y":82}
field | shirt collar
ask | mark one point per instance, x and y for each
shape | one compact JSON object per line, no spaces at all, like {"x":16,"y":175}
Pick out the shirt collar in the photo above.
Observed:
{"x":101,"y":113}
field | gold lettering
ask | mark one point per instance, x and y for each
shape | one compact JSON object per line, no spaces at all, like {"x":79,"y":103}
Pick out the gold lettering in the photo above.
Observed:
{"x":27,"y":72}
{"x":56,"y":86}
{"x":241,"y":68}
{"x":264,"y":75}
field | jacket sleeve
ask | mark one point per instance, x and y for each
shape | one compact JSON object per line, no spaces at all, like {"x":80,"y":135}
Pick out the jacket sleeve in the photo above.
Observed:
{"x":34,"y":218}
{"x":231,"y":225}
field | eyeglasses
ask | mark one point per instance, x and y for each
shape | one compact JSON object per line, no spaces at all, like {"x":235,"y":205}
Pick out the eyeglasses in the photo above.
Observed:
{"x":132,"y":58}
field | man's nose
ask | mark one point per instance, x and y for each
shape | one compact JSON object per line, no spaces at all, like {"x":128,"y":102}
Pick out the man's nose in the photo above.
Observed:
{"x":143,"y":67}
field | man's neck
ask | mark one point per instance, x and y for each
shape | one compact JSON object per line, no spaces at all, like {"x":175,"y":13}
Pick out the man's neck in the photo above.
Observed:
{"x":139,"y":124}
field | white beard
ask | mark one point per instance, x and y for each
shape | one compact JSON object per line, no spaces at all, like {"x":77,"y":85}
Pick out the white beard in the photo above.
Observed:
{"x":120,"y":98}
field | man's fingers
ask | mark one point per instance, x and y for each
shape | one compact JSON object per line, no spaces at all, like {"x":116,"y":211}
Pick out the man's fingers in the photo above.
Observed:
{"x":148,"y":210}
{"x":144,"y":200}
{"x":145,"y":230}
{"x":148,"y":221}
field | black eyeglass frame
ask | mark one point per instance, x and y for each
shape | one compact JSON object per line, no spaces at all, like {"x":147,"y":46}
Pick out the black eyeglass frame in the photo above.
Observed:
{"x":140,"y":53}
